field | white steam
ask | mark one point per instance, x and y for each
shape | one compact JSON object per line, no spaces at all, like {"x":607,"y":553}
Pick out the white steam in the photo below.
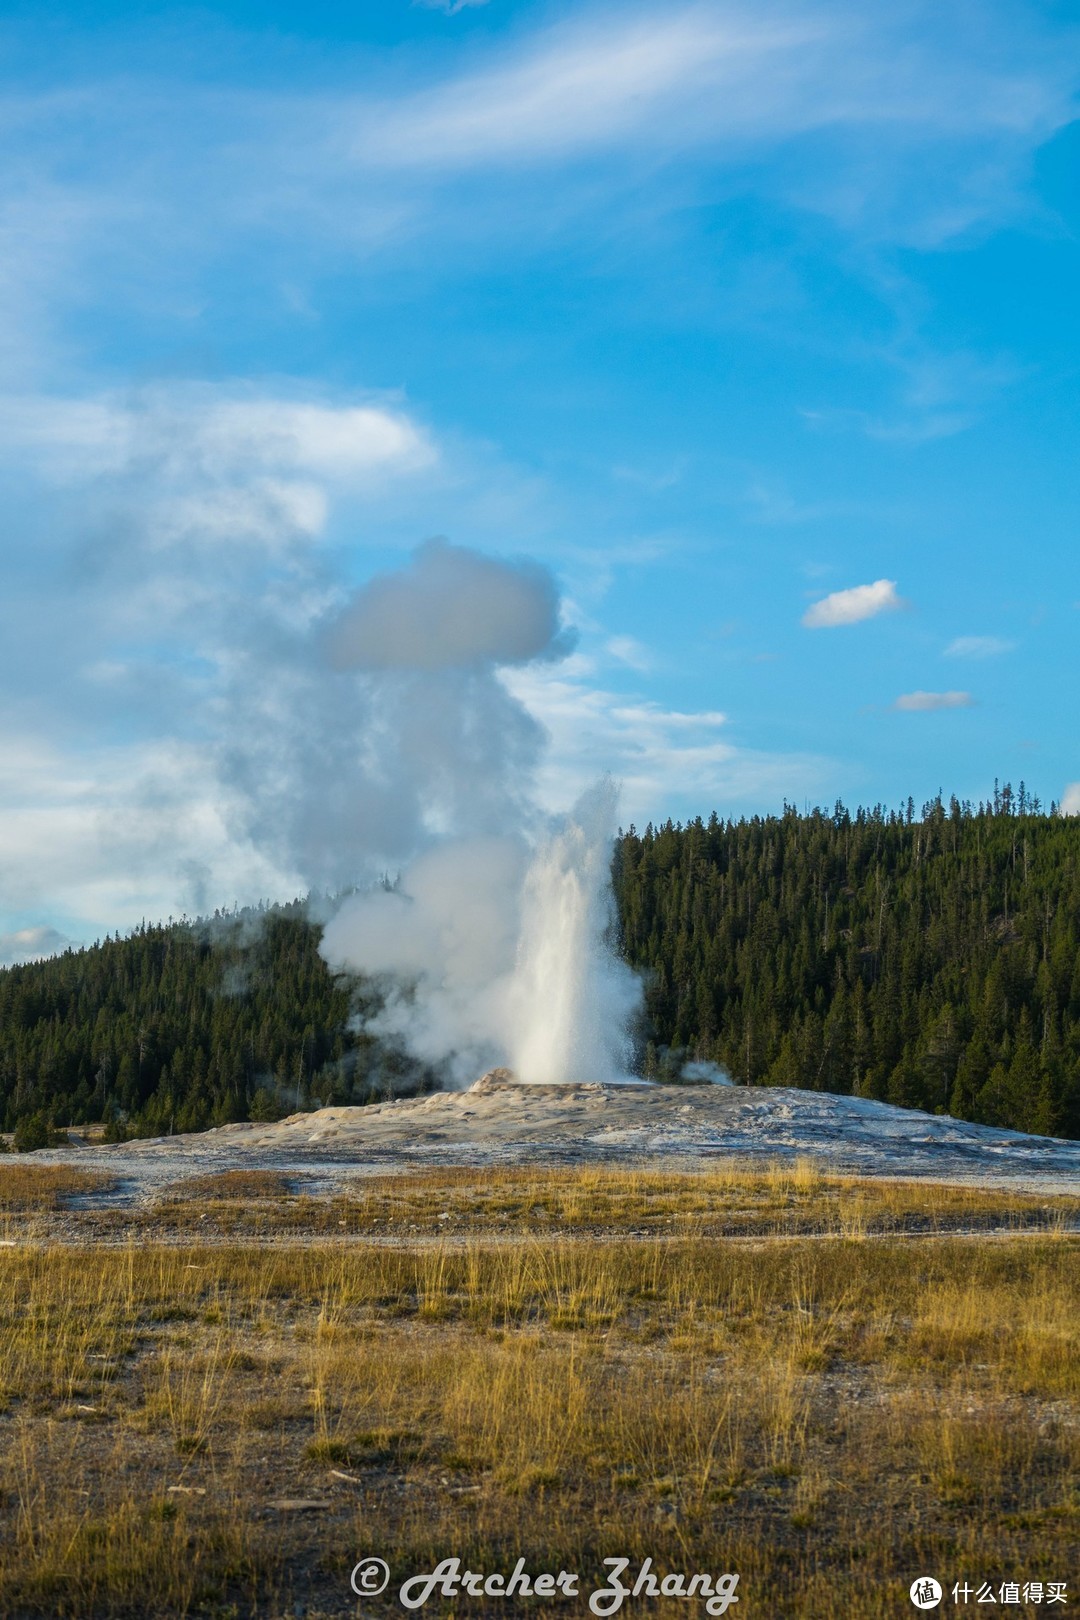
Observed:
{"x":358,"y":741}
{"x":490,"y":953}
{"x":571,"y":999}
{"x":439,"y":944}
{"x":493,"y":945}
{"x":450,"y":609}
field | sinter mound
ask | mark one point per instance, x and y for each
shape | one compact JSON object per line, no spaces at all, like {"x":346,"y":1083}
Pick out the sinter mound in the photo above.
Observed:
{"x":500,"y":1079}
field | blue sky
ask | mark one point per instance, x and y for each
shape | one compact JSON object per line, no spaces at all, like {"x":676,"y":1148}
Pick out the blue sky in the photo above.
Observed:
{"x":756,"y":324}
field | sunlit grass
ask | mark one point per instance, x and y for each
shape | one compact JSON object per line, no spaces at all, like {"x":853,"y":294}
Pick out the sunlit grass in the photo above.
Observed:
{"x":26,"y":1187}
{"x":827,"y":1415}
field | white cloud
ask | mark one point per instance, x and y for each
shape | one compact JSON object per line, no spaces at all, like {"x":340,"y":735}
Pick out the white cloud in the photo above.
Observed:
{"x":215,"y":464}
{"x":109,"y":834}
{"x":629,"y":651}
{"x":227,"y":432}
{"x":574,"y":88}
{"x":701,"y":75}
{"x":912,"y":425}
{"x":1070,"y":800}
{"x":665,"y":760}
{"x":853,"y":605}
{"x":897,"y":130}
{"x":31,"y":944}
{"x":174,"y":735}
{"x":450,"y":7}
{"x":931,"y":702}
{"x":936,"y":393}
{"x":978,"y":647}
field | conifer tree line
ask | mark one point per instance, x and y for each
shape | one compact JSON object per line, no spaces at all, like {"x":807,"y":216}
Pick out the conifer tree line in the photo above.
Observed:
{"x":931,"y":961}
{"x":184,"y":1026}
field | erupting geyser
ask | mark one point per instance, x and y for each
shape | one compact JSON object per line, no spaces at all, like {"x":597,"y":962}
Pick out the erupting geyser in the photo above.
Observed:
{"x":571,"y":998}
{"x":491,"y":954}
{"x":494,"y":946}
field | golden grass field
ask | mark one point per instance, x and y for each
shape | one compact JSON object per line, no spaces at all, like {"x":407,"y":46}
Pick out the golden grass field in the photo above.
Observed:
{"x":217,"y":1406}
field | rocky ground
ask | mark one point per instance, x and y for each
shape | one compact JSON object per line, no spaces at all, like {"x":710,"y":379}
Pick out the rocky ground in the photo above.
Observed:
{"x":500,"y":1122}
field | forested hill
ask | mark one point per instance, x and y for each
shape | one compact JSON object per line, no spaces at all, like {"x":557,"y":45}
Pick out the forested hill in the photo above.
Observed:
{"x":930,"y":962}
{"x":180,"y":1027}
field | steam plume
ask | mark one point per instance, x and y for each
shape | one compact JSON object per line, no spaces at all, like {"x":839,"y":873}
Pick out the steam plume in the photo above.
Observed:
{"x":490,"y":953}
{"x":494,"y":945}
{"x":571,"y":999}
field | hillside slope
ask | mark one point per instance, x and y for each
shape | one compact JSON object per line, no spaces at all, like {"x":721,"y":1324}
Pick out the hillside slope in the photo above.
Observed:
{"x":929,"y":962}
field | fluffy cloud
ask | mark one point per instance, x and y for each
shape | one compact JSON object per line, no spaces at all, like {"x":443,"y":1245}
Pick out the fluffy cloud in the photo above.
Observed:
{"x":931,"y":702}
{"x":1070,"y":800}
{"x":853,"y":605}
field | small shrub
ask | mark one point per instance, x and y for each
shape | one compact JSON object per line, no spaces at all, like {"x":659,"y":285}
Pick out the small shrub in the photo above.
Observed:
{"x":265,"y":1108}
{"x":34,"y":1131}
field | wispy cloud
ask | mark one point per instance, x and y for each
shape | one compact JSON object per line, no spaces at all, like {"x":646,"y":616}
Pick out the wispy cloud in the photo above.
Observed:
{"x":228,"y":431}
{"x":161,"y":678}
{"x":574,"y":88}
{"x":112,"y":833}
{"x":658,"y":754}
{"x":629,"y":651}
{"x":210,"y":463}
{"x":978,"y":647}
{"x":450,"y":7}
{"x":898,"y":125}
{"x":935,"y":394}
{"x":931,"y":702}
{"x":906,"y":426}
{"x":853,"y":605}
{"x":762,"y":73}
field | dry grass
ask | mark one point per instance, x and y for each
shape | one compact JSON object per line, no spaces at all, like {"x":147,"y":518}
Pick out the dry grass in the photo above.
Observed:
{"x":725,"y":1200}
{"x":232,"y":1185}
{"x":730,"y":1199}
{"x":35,"y":1187}
{"x":829,"y":1418}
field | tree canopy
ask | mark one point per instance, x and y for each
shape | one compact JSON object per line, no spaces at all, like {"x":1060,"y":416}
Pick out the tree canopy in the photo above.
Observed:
{"x":186,"y":1025}
{"x":931,"y":961}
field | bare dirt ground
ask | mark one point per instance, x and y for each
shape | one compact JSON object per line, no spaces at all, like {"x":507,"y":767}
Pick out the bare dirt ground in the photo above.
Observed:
{"x":500,"y":1123}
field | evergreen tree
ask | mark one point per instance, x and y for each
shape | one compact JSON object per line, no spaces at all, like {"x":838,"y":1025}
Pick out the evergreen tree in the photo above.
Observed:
{"x":929,"y":961}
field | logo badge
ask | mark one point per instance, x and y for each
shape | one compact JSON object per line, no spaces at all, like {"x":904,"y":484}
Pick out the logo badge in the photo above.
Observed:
{"x":925,"y":1592}
{"x":370,"y":1577}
